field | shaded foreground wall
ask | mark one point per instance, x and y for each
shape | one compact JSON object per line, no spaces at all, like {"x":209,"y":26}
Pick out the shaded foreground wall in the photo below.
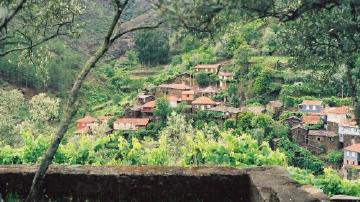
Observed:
{"x":146,"y":184}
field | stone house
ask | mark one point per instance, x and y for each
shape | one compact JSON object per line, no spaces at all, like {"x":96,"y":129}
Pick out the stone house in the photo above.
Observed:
{"x":310,"y":106}
{"x":209,"y":68}
{"x":227,"y":112}
{"x":320,"y":141}
{"x":188,"y":96}
{"x":173,"y":89}
{"x":292,"y":121}
{"x":130,"y":124}
{"x":147,"y":110}
{"x":352,"y":155}
{"x":209,"y":91}
{"x":85,"y":122}
{"x":224,"y":78}
{"x":349,"y":133}
{"x":145,"y":97}
{"x":203,"y":103}
{"x":299,"y":134}
{"x":336,"y":114}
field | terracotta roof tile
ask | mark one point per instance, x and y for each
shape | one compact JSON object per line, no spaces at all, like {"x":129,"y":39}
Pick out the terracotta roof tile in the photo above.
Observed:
{"x":177,"y":86}
{"x":203,"y":101}
{"x":134,"y":121}
{"x":150,"y":104}
{"x":312,"y":102}
{"x":354,"y":148}
{"x":207,"y":66}
{"x":87,"y":119}
{"x":189,"y":92}
{"x":337,"y":110}
{"x":311,"y":119}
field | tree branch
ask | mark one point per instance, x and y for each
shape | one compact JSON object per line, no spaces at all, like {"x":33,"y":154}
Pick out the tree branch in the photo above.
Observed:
{"x":12,"y":14}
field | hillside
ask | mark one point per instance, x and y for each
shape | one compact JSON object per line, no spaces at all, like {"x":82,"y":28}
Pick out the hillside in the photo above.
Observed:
{"x":210,"y":83}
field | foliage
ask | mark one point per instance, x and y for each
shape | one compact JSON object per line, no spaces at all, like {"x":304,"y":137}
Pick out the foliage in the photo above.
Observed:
{"x":152,"y":46}
{"x":43,"y":108}
{"x":205,"y":79}
{"x":330,"y":182}
{"x":162,"y":109}
{"x":300,"y":157}
{"x":334,"y":157}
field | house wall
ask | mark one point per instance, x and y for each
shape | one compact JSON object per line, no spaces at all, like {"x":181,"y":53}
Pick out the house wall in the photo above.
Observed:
{"x":310,"y":108}
{"x":351,"y":158}
{"x":323,"y":142}
{"x":298,"y":136}
{"x":336,"y":118}
{"x":124,"y":126}
{"x":291,"y":122}
{"x":350,"y":140}
{"x":349,"y":135}
{"x":332,"y":126}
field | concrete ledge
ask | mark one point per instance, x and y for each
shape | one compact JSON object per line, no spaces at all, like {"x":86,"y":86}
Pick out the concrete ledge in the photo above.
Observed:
{"x":145,"y":183}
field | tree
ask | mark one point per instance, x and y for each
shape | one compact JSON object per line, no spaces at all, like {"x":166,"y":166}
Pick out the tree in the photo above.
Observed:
{"x":153,"y":46}
{"x":148,"y":21}
{"x":43,"y":108}
{"x":331,"y":38}
{"x":11,"y":103}
{"x":331,"y":41}
{"x":162,"y":109}
{"x":52,"y":19}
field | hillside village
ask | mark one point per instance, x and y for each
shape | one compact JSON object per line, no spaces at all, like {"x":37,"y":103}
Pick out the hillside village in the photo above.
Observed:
{"x":319,"y":128}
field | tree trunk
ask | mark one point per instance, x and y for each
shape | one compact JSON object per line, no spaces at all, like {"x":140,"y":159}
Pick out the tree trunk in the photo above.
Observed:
{"x":352,"y":89}
{"x":71,"y":109}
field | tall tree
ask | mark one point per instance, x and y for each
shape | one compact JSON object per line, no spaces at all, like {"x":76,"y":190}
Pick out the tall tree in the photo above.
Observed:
{"x":329,"y":30}
{"x":116,"y":30}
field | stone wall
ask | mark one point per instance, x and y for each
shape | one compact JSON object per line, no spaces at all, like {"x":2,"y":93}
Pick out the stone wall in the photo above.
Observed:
{"x":85,"y":183}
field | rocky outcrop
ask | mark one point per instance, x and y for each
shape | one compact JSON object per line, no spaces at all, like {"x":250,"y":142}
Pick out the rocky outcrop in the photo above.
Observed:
{"x":80,"y":183}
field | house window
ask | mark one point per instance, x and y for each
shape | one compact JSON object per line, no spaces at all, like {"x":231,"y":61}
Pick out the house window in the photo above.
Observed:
{"x":307,"y":107}
{"x":353,"y":154}
{"x":347,"y":153}
{"x":314,"y":107}
{"x":347,"y":161}
{"x":319,"y":139}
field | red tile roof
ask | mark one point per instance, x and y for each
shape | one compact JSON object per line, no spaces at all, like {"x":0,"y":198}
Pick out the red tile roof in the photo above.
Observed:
{"x":177,"y":86}
{"x":87,"y":119}
{"x":189,"y":92}
{"x":133,"y":121}
{"x":337,"y":110}
{"x":150,"y":104}
{"x":312,"y":102}
{"x":203,"y":101}
{"x":351,"y":123}
{"x":311,"y":119}
{"x":354,"y":148}
{"x":207,"y":66}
